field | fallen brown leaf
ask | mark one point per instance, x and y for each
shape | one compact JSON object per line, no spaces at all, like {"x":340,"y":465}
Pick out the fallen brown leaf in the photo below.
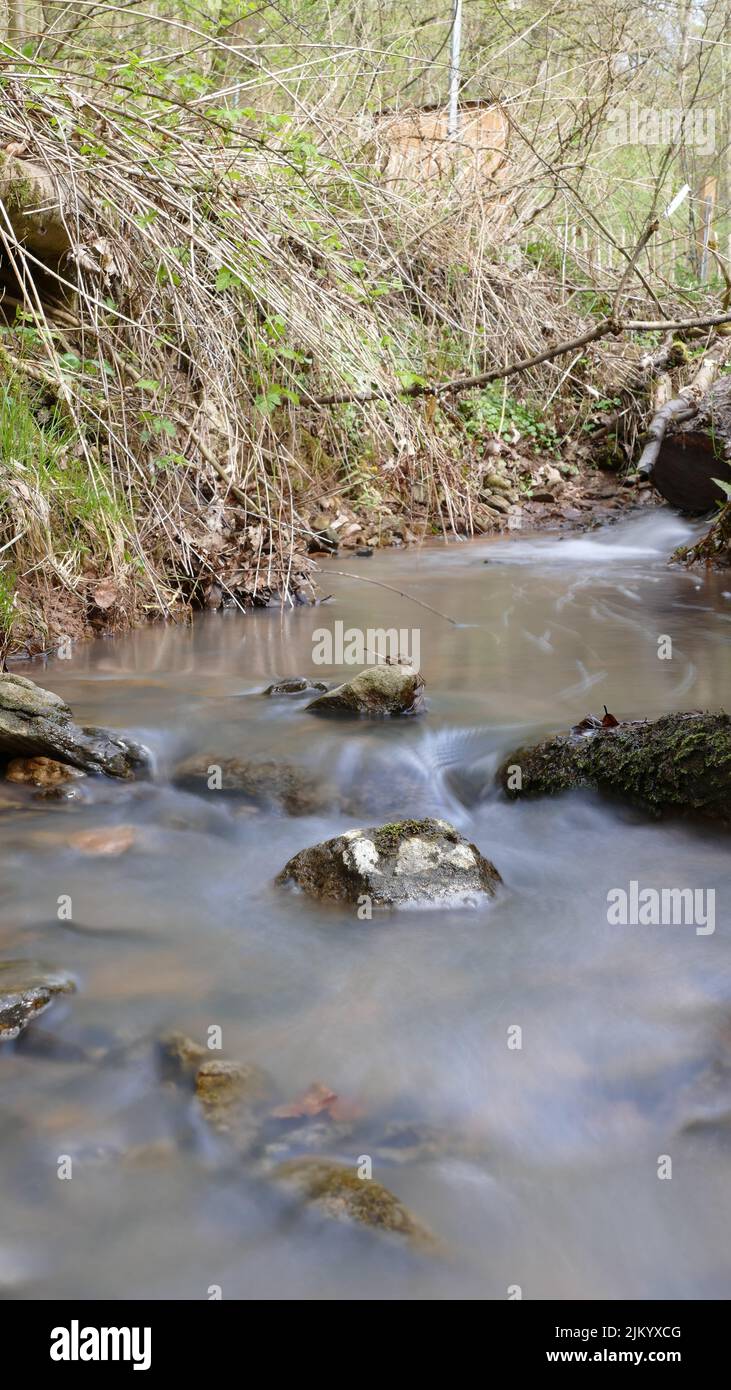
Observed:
{"x":318,"y":1099}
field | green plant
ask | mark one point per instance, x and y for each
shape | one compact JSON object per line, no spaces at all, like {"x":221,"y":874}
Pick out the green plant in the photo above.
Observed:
{"x":491,"y":411}
{"x":7,"y":611}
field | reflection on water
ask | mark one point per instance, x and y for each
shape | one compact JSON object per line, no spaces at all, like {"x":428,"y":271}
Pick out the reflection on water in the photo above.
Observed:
{"x":535,"y":1166}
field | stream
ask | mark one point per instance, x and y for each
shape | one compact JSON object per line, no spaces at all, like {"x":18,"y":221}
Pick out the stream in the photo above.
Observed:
{"x":535,"y":1166}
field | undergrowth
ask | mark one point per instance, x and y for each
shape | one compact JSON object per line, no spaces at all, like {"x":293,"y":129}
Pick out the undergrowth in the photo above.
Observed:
{"x":229,"y":250}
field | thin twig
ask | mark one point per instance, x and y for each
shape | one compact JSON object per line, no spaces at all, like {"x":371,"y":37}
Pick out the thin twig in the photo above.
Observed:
{"x":347,"y":574}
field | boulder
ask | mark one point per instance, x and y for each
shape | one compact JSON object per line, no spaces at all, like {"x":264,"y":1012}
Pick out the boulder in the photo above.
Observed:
{"x":679,"y":763}
{"x":285,"y":786}
{"x":377,"y":692}
{"x":35,"y":723}
{"x":335,"y":1191}
{"x":26,"y":989}
{"x":409,"y":863}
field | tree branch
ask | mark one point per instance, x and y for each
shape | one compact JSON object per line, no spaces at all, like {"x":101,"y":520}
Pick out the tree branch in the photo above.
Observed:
{"x":469,"y":383}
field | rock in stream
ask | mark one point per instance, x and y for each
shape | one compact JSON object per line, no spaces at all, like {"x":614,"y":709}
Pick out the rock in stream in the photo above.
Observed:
{"x":36,"y":723}
{"x":409,"y":863}
{"x":26,"y":989}
{"x":377,"y":692}
{"x":679,"y":763}
{"x":278,"y":786}
{"x":336,"y":1191}
{"x":295,"y":685}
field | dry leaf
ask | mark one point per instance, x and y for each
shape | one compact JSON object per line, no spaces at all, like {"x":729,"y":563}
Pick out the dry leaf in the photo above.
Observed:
{"x":318,"y":1099}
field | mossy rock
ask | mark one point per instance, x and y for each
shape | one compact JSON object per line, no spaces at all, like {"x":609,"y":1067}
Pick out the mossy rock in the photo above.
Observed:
{"x":378,"y":692}
{"x":231,"y":1096}
{"x":335,"y":1191}
{"x":407,"y":863}
{"x":680,"y":763}
{"x":180,"y":1056}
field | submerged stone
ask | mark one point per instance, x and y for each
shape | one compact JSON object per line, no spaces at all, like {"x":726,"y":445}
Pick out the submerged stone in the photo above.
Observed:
{"x":679,"y":763}
{"x":409,"y":863}
{"x":180,"y":1056}
{"x":40,"y":772}
{"x":63,"y":792}
{"x":37,"y":724}
{"x":283,"y":786}
{"x":336,"y":1191}
{"x":231,"y":1095}
{"x":377,"y":692}
{"x":26,"y":989}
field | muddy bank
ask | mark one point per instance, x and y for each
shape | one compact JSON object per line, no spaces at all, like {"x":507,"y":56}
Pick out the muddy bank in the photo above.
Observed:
{"x":510,"y":493}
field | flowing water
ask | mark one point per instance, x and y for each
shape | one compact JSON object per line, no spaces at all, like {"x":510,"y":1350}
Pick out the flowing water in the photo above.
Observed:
{"x":535,"y":1166}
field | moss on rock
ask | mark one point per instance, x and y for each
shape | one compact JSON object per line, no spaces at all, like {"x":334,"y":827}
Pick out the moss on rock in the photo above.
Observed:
{"x":337,"y":1192}
{"x":378,"y":692}
{"x":406,"y":863}
{"x":680,"y":763}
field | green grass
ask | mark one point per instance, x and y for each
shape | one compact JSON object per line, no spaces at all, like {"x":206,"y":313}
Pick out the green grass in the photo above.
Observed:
{"x":7,"y":594}
{"x":37,"y":443}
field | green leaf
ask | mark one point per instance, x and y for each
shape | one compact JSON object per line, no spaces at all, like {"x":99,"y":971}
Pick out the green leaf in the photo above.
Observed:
{"x":70,"y":361}
{"x":226,"y":279}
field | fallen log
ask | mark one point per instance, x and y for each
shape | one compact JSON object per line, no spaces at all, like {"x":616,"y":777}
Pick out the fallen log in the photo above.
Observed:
{"x":32,"y":208}
{"x":680,"y":763}
{"x":689,"y":439}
